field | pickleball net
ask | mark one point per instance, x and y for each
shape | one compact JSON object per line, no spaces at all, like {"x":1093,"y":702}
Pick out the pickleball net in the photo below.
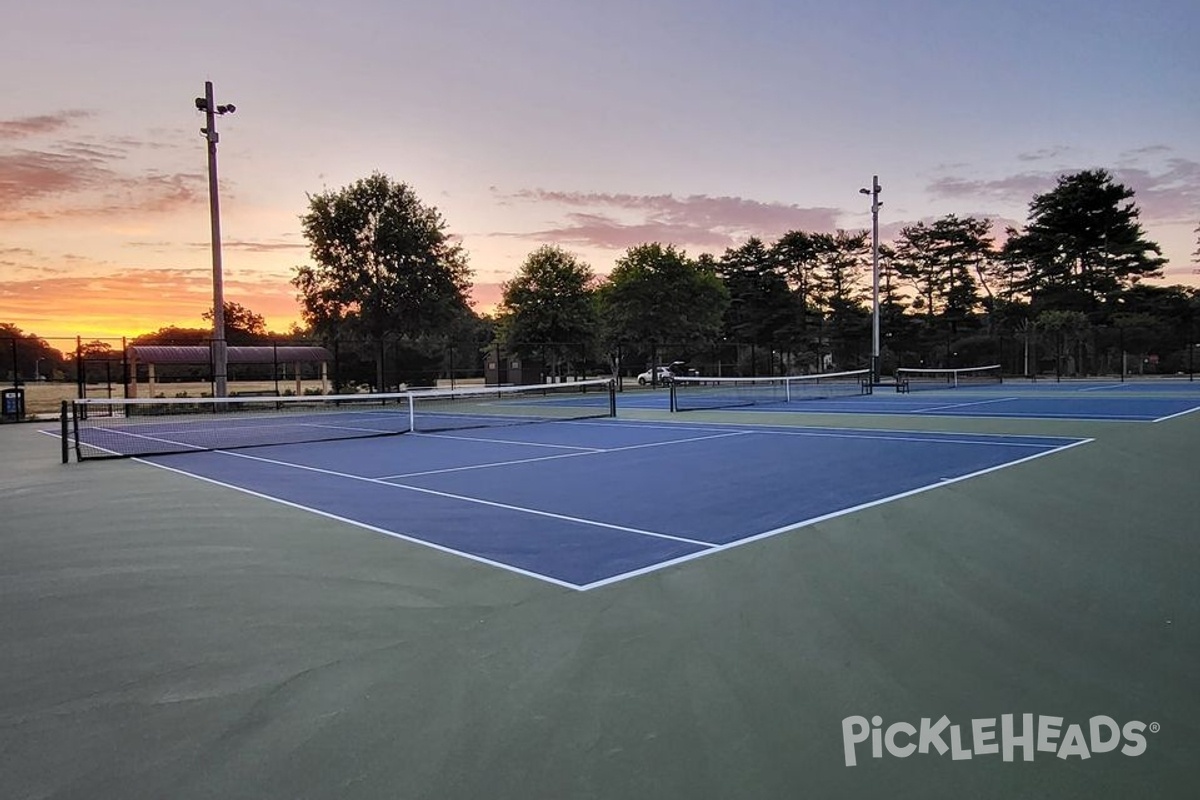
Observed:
{"x":103,"y":428}
{"x":913,"y":379}
{"x":698,"y":393}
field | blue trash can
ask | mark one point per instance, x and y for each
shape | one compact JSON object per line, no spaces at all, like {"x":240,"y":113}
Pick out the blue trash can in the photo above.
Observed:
{"x":12,"y":405}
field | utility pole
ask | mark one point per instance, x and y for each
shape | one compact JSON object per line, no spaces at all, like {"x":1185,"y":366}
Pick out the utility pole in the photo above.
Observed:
{"x":875,"y":205}
{"x":209,"y":131}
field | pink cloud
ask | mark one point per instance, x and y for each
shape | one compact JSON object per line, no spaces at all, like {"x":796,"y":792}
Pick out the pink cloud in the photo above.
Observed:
{"x":1167,"y":193}
{"x":249,"y":246}
{"x":1010,"y":189}
{"x":619,"y":221}
{"x":26,"y":176}
{"x":40,"y":185}
{"x":42,"y":124}
{"x":83,"y":176}
{"x":1044,"y":154}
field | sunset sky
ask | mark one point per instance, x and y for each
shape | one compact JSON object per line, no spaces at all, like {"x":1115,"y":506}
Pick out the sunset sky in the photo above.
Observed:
{"x":596,"y":126}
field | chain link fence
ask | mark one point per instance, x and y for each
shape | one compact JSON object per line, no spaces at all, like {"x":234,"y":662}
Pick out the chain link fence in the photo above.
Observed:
{"x":50,"y":370}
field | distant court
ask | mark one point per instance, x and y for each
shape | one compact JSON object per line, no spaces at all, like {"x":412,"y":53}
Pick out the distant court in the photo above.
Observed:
{"x":1129,"y":401}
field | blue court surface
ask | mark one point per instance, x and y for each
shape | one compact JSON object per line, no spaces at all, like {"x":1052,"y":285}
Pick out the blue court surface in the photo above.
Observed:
{"x":1131,"y":401}
{"x":587,"y":503}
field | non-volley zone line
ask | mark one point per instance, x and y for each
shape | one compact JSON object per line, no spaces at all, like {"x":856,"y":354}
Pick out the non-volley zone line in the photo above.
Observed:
{"x":885,"y":434}
{"x":980,"y":402}
{"x":461,"y":497}
{"x":541,"y":515}
{"x":576,"y":451}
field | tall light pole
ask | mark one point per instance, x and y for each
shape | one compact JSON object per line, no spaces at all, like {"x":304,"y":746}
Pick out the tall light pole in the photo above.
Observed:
{"x":209,"y":131}
{"x":875,"y":205}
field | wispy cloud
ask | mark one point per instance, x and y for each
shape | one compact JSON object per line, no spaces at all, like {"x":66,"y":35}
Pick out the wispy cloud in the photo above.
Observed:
{"x":250,"y":246}
{"x":1142,"y":152}
{"x":41,"y":185}
{"x":26,"y":176}
{"x":619,"y":221}
{"x":1044,"y":154}
{"x":23,"y":127}
{"x":1170,"y":194}
{"x":59,"y":176}
{"x":1166,"y":193}
{"x":1011,"y":189}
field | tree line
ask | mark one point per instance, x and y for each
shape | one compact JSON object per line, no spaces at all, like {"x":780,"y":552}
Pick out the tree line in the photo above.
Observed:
{"x":1069,"y":292}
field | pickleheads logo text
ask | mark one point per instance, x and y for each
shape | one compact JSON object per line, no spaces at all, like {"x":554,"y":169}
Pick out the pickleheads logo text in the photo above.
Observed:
{"x":981,"y":737}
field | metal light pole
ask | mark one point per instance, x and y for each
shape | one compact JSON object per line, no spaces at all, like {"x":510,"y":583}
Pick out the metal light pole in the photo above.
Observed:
{"x":209,"y":131}
{"x":875,"y":205}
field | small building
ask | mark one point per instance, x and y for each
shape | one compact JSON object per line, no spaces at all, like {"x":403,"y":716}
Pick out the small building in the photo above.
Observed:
{"x":502,"y":369}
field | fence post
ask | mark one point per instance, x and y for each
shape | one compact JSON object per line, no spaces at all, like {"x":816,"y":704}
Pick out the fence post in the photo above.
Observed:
{"x":124,"y":368}
{"x":337,"y":366}
{"x":80,"y":378}
{"x":275,"y":364}
{"x":64,"y":432}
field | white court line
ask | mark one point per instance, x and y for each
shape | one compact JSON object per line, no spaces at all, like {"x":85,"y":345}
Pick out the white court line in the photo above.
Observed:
{"x":71,"y":444}
{"x":138,"y":436}
{"x":924,"y":439}
{"x":490,"y":440}
{"x":366,"y":526}
{"x":802,"y":429}
{"x":451,"y":496}
{"x":589,"y":452}
{"x":964,"y":405}
{"x":1031,"y":417}
{"x":1180,"y":414}
{"x":885,"y":435}
{"x":488,"y":465}
{"x":824,"y":517}
{"x":1104,"y":387}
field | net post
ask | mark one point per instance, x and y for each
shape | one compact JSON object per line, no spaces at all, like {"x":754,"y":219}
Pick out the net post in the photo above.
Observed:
{"x":75,"y":430}
{"x":64,"y":433}
{"x":673,"y":405}
{"x":412,"y":415}
{"x":612,"y":398}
